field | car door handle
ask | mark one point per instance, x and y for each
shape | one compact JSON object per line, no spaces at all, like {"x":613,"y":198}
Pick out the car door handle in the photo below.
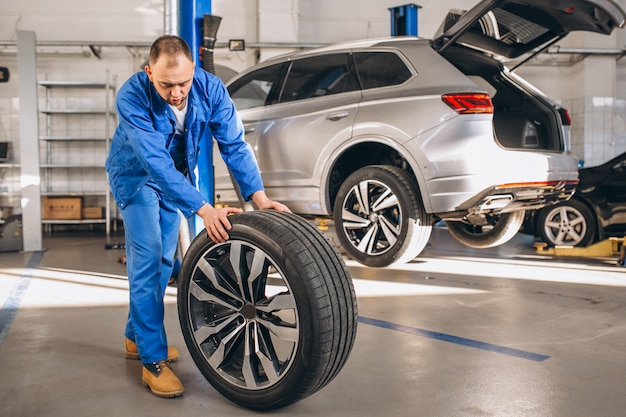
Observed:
{"x":333,"y":117}
{"x":249,"y":129}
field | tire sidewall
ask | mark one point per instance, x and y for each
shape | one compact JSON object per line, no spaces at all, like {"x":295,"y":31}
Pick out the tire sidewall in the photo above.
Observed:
{"x":507,"y":226}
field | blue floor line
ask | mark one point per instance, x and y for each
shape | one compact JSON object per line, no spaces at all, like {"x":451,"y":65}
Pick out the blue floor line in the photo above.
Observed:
{"x":12,"y":303}
{"x":455,"y":339}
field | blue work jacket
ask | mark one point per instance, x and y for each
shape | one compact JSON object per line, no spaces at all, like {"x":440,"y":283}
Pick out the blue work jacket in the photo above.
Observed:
{"x":140,"y":146}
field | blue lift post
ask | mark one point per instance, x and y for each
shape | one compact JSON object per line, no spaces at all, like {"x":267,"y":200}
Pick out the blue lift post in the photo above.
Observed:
{"x":191,"y":27}
{"x":404,"y":20}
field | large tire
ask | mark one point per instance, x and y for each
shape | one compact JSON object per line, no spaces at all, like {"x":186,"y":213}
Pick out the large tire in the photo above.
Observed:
{"x":379,"y":218}
{"x":569,"y":223}
{"x":269,"y":316}
{"x":499,"y":230}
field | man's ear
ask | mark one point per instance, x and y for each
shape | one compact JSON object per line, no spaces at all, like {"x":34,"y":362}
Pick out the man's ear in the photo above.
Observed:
{"x":148,"y":71}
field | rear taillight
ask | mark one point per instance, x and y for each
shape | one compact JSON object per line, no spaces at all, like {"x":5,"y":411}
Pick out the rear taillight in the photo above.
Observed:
{"x":469,"y":103}
{"x":565,"y":118}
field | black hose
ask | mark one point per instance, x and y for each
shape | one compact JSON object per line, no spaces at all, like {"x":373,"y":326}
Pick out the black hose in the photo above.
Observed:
{"x":210,"y":25}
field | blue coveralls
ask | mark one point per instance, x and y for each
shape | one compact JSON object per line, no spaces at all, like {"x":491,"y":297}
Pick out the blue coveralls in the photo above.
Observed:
{"x":149,"y":188}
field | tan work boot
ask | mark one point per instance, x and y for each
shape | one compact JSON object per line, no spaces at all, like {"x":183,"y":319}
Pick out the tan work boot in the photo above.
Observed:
{"x":133,"y":353}
{"x":160,"y":378}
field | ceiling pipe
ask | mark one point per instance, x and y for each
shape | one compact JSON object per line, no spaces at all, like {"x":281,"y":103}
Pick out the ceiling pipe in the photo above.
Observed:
{"x":295,"y":45}
{"x":171,"y":17}
{"x":552,"y":50}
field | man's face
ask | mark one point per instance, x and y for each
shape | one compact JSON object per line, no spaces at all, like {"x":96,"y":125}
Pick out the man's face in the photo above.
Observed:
{"x":172,"y":78}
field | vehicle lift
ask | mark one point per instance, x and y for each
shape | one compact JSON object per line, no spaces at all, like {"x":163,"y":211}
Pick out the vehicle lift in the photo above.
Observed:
{"x":605,"y":248}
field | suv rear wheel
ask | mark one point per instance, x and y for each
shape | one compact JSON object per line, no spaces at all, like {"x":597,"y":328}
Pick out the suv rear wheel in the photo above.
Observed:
{"x":499,"y":229}
{"x":379,"y":218}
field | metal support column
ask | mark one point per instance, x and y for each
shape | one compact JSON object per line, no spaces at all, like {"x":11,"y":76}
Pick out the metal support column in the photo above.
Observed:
{"x":191,"y":22}
{"x":404,"y":20}
{"x":191,"y":28}
{"x":29,"y":143}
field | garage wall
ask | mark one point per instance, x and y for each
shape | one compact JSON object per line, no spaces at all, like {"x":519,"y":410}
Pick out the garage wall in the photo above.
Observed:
{"x":593,"y":89}
{"x":82,"y":19}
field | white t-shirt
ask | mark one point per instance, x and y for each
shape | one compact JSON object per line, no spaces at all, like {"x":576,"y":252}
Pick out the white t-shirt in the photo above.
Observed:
{"x":180,"y":118}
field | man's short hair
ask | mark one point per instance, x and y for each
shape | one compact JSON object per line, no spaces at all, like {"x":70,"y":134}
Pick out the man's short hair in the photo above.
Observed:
{"x":169,"y":45}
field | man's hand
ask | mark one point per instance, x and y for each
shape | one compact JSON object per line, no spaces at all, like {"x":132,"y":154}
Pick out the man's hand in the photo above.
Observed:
{"x":216,"y":221}
{"x":264,"y":203}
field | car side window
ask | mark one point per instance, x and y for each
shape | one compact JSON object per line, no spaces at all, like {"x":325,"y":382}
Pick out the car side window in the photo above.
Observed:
{"x":380,"y":69}
{"x":257,"y":88}
{"x":319,"y":76}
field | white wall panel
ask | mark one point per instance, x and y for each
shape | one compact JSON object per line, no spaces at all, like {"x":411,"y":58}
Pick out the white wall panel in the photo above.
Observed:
{"x":83,"y":19}
{"x":239,"y":19}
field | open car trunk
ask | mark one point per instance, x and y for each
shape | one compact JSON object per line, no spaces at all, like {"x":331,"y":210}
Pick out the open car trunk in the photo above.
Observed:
{"x":481,"y":40}
{"x":509,"y":29}
{"x":523,"y":119}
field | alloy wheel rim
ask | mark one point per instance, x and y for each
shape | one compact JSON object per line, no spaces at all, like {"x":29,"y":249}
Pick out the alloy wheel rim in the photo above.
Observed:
{"x":371,"y":217}
{"x":565,"y":225}
{"x":244,"y":315}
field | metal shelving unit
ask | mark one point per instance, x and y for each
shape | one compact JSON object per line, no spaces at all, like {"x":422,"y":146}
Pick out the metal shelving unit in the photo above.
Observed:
{"x":9,"y":198}
{"x":66,"y":171}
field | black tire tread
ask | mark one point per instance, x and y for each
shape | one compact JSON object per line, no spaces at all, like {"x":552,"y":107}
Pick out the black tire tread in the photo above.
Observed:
{"x":343,"y":299}
{"x":506,"y":228}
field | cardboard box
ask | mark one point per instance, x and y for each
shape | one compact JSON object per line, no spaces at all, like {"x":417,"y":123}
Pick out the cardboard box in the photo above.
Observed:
{"x":92,"y":212}
{"x":62,"y":208}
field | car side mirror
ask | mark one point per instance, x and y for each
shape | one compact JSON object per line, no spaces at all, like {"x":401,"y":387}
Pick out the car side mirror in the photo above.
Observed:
{"x":4,"y":75}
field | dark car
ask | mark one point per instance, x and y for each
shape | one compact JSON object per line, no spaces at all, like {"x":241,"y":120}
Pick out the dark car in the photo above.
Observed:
{"x":596,"y":211}
{"x":387,"y":136}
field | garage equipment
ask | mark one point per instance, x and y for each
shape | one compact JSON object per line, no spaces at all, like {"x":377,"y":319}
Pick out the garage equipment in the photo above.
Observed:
{"x":11,"y":234}
{"x":605,"y":248}
{"x":404,"y":19}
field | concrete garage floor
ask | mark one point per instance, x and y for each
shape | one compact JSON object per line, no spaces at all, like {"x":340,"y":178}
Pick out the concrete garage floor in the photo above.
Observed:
{"x":457,"y":332}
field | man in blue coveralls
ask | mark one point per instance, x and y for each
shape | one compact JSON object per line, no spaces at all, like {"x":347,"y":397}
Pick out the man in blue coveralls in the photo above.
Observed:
{"x":164,"y":112}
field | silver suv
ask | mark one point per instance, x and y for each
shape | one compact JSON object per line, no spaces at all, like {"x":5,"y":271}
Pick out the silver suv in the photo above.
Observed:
{"x":388,"y":136}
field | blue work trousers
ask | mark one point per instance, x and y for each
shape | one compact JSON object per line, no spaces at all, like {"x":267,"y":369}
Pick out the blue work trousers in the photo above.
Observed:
{"x":151,"y":230}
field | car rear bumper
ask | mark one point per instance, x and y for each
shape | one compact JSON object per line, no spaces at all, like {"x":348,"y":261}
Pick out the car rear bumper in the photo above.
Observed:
{"x":515,"y":196}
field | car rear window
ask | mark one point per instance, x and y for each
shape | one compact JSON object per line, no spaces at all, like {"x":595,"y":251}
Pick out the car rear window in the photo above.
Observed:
{"x":511,"y":28}
{"x":511,"y":32}
{"x":319,"y":76}
{"x":380,"y":69}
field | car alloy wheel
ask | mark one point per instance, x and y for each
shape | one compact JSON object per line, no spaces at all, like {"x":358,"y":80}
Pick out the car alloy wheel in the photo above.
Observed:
{"x":269,"y":316}
{"x":379,"y":218}
{"x":567,"y":224}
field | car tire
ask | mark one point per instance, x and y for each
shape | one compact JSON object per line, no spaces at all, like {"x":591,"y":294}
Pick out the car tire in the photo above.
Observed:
{"x":570,"y":223}
{"x":379,"y":218}
{"x":270,"y":315}
{"x":500,"y":230}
